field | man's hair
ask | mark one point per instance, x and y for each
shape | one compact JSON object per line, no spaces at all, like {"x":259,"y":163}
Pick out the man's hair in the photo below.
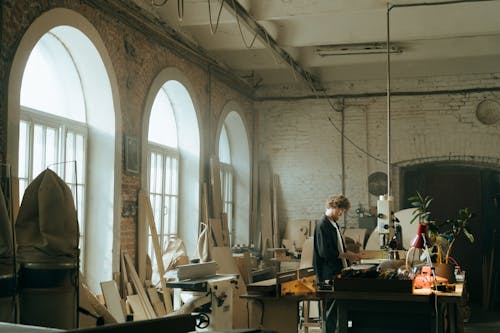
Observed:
{"x":338,"y":201}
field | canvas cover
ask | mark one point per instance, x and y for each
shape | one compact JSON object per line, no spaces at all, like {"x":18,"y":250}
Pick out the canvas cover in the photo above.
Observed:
{"x":46,"y":225}
{"x":6,"y":248}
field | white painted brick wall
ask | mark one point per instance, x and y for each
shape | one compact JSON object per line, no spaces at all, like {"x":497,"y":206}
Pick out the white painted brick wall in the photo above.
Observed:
{"x":305,"y":150}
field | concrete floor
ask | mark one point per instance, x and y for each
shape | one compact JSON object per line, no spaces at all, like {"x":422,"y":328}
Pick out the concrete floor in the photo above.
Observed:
{"x":482,"y":321}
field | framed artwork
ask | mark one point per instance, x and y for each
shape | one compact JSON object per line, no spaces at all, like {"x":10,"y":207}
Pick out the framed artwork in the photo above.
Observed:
{"x":131,"y":154}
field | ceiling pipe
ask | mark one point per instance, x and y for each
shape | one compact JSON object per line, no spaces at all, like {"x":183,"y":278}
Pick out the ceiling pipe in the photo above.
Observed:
{"x":236,"y":8}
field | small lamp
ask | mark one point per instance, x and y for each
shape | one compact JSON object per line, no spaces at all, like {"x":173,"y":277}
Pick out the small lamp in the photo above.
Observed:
{"x":421,"y":240}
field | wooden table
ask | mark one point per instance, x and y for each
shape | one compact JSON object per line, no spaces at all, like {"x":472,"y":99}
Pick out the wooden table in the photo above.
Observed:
{"x":420,"y":311}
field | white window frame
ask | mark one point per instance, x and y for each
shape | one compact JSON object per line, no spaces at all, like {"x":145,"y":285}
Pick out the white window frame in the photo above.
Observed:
{"x":34,"y":117}
{"x":162,"y":226}
{"x":227,"y":195}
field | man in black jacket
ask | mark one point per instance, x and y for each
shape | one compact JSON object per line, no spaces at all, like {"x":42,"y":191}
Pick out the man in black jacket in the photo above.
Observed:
{"x":330,"y":254}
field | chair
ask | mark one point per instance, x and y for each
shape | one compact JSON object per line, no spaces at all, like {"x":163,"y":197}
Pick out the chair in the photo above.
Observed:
{"x":306,"y":260}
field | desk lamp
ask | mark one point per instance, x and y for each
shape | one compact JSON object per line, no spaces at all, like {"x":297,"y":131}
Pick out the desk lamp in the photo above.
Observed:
{"x":421,"y":241}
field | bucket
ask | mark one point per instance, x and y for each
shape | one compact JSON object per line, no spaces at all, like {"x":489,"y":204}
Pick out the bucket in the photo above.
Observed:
{"x":48,"y":295}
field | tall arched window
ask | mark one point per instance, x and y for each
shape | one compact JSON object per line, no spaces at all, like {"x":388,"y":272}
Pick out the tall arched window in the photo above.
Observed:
{"x":226,"y":179}
{"x":163,"y":170}
{"x":234,"y":158}
{"x":173,"y":150}
{"x":61,"y":115}
{"x":52,"y":128}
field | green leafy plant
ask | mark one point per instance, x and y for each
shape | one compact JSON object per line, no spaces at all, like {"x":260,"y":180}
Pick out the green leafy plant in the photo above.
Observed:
{"x":455,"y":228}
{"x":451,"y":229}
{"x":422,"y":210}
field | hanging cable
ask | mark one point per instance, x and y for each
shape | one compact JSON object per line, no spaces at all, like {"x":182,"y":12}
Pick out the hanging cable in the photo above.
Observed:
{"x":213,"y":29}
{"x":241,"y":32}
{"x":158,"y":4}
{"x":180,"y":9}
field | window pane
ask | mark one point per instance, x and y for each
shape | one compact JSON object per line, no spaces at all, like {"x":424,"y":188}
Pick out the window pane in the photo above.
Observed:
{"x":51,"y":82}
{"x":70,"y":156}
{"x":159,"y":174}
{"x":80,"y":158}
{"x":38,"y":150}
{"x":224,"y":148}
{"x":152,"y":173}
{"x":172,"y":222}
{"x":23,"y":149}
{"x":168,"y":174}
{"x":51,"y":148}
{"x":175,"y":176}
{"x":162,"y":125}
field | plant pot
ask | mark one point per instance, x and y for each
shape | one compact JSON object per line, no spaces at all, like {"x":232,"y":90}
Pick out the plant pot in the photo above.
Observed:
{"x":446,"y":271}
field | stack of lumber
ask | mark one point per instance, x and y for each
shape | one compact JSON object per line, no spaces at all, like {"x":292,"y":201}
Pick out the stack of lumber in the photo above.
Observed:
{"x":268,"y":208}
{"x":124,"y":296}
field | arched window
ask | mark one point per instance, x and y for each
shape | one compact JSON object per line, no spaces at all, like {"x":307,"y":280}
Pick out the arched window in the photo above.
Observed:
{"x":234,"y":158}
{"x":163,"y":170}
{"x":62,"y":116}
{"x":52,"y":128}
{"x":226,"y":179}
{"x":173,"y":152}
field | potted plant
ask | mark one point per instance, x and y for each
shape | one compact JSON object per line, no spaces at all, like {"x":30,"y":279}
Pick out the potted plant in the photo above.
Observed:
{"x":451,"y":230}
{"x":444,"y":235}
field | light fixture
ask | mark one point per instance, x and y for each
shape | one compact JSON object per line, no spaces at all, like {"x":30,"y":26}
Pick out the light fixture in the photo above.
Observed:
{"x":356,"y":49}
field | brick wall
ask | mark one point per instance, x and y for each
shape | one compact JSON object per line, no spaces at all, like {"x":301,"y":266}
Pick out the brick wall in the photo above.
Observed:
{"x":137,"y":58}
{"x":305,"y":149}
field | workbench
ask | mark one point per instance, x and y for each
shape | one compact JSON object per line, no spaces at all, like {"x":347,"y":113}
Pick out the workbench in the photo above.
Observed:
{"x":421,"y":311}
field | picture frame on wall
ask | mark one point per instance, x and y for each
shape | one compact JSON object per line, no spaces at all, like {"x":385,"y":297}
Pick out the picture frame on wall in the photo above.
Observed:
{"x":131,"y":154}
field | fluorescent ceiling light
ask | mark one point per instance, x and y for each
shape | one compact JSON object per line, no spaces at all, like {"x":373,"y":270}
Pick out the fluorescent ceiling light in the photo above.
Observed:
{"x":354,"y":49}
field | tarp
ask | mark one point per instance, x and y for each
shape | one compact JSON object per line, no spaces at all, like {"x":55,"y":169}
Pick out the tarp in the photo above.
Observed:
{"x":47,"y":225}
{"x":6,"y":248}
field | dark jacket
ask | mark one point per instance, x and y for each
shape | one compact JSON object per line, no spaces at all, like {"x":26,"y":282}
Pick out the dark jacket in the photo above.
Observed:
{"x":326,"y":259}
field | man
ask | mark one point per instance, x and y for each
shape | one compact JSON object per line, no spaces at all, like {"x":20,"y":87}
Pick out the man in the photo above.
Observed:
{"x":330,"y":255}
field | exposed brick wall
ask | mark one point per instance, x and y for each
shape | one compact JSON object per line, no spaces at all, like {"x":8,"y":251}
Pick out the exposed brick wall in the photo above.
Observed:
{"x":136,"y":59}
{"x":305,"y":149}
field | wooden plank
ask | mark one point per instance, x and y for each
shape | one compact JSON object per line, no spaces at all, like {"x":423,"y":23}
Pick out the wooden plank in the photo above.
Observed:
{"x":297,"y":232}
{"x":276,"y":228}
{"x":204,"y":203}
{"x":137,"y":307}
{"x":225,"y":230}
{"x":194,"y":271}
{"x":265,"y":206}
{"x":89,"y":297}
{"x":113,"y":300}
{"x":157,"y":250}
{"x":306,"y":258}
{"x":139,"y":288}
{"x":156,"y":302}
{"x":125,"y":291}
{"x":142,"y":241}
{"x":215,"y":186}
{"x":216,"y":227}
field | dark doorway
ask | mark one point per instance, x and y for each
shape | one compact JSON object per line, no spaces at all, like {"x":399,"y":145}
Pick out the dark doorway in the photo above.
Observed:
{"x":454,"y":187}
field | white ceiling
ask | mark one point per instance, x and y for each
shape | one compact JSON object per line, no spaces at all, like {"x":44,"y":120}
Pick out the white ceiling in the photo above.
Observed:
{"x":458,"y":37}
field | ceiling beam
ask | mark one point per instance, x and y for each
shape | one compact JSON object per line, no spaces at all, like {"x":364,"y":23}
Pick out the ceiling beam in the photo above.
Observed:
{"x":133,"y":16}
{"x":238,"y":10}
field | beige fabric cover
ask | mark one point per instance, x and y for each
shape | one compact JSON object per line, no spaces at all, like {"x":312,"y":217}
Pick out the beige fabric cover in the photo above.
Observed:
{"x":47,"y":226}
{"x":6,"y":249}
